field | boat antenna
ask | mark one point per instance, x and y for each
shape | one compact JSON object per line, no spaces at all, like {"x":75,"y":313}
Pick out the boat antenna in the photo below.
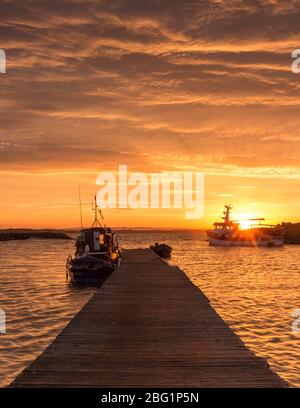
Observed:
{"x":96,"y":221}
{"x":80,"y":205}
{"x":100,"y":212}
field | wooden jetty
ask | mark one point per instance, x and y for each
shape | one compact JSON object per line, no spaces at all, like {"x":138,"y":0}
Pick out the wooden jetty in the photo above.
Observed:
{"x":148,"y":326}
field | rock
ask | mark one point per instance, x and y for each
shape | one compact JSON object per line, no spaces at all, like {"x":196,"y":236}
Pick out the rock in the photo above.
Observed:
{"x":10,"y":235}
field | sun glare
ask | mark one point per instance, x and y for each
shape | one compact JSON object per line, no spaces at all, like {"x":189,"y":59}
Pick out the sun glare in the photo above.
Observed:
{"x":245,"y":224}
{"x":245,"y":221}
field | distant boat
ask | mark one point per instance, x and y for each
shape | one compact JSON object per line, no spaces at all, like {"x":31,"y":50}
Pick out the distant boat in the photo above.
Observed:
{"x":228,"y":233}
{"x":97,"y":254}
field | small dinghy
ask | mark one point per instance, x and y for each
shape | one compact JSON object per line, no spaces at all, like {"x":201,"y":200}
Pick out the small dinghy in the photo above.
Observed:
{"x":162,"y":250}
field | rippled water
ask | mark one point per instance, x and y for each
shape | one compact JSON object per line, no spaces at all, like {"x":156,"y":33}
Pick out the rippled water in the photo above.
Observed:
{"x":254,"y":289}
{"x":36,"y":299}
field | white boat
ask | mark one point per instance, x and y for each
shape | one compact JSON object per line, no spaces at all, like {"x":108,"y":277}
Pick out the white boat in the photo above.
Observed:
{"x":228,"y":233}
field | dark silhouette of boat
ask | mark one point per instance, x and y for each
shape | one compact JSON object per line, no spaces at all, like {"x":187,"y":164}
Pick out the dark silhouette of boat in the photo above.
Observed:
{"x":228,"y":233}
{"x":162,"y":250}
{"x":97,"y":254}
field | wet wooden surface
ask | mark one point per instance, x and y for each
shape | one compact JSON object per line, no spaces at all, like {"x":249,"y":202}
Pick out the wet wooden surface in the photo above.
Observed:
{"x":147,"y":326}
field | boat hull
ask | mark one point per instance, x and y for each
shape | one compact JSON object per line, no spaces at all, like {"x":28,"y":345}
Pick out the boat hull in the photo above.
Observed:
{"x":88,"y":277}
{"x":89,"y":270}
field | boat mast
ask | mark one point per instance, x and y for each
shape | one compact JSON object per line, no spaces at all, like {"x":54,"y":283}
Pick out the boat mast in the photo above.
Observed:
{"x":80,"y":205}
{"x":227,"y":214}
{"x":96,"y":222}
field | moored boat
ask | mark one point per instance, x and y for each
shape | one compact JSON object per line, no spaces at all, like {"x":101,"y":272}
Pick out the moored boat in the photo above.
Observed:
{"x":228,"y":233}
{"x":97,"y":254}
{"x":162,"y":250}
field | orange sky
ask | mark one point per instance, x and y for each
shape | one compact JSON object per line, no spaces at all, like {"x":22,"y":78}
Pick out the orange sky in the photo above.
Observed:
{"x":160,"y":86}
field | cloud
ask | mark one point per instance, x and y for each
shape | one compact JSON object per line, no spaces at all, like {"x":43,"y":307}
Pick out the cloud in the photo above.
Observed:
{"x":201,"y":82}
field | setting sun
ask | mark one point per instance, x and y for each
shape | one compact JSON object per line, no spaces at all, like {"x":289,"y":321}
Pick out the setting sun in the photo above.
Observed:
{"x":246,"y":220}
{"x":245,"y":224}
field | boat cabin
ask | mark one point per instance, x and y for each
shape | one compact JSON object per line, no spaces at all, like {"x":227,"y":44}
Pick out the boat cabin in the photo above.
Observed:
{"x":93,"y":241}
{"x":229,"y":225}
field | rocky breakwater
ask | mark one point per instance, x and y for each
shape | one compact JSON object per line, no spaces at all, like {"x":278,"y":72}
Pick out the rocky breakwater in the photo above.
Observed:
{"x":13,"y":234}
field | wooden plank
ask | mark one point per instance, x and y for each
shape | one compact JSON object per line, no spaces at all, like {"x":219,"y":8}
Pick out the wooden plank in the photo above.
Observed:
{"x":148,"y":326}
